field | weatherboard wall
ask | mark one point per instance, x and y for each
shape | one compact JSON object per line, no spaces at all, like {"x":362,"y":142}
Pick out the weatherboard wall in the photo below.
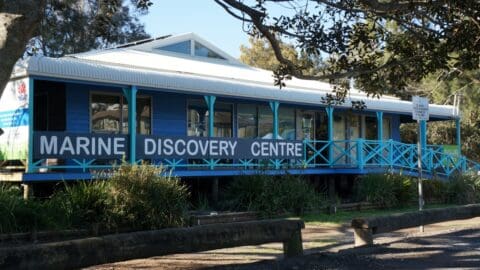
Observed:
{"x":169,"y":110}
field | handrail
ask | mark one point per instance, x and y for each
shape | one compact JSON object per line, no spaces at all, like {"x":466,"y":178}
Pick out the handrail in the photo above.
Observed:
{"x":363,"y":153}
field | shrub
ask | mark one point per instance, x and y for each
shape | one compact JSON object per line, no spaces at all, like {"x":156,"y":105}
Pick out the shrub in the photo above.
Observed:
{"x":435,"y":191}
{"x":135,"y":197}
{"x":10,"y":204}
{"x":463,"y":189}
{"x":272,"y":195}
{"x":19,"y":215}
{"x":86,"y":204}
{"x":144,"y":198}
{"x":385,"y":190}
{"x":243,"y":193}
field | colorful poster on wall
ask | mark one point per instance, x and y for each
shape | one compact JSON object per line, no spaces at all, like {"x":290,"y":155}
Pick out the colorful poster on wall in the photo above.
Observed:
{"x":14,"y":120}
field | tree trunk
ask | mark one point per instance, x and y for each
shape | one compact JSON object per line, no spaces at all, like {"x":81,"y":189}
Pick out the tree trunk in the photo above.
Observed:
{"x":19,"y":22}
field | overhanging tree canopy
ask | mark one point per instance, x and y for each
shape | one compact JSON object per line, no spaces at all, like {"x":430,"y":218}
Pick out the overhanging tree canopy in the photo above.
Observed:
{"x":63,"y":26}
{"x":384,"y":45}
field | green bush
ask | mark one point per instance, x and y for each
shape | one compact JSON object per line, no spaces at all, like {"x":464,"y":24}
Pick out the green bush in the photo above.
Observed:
{"x":19,"y":215}
{"x":463,"y":189}
{"x":86,"y":204}
{"x":389,"y":190}
{"x":435,"y":191}
{"x":135,"y":197}
{"x":385,"y":190}
{"x":243,"y":193}
{"x":272,"y":195}
{"x":145,"y":199}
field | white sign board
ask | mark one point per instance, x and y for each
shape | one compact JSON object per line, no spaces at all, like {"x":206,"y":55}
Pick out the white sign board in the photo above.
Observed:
{"x":420,"y":108}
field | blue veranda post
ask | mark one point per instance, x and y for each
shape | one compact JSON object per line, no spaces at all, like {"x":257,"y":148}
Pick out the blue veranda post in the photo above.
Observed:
{"x":131,"y":95}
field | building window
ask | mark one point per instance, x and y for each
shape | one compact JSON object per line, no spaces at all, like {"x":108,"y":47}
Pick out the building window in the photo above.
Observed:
{"x":247,"y":119}
{"x":387,"y":130}
{"x":355,"y":127}
{"x":183,"y":47}
{"x":198,"y":119}
{"x":371,"y":128}
{"x":265,"y":122}
{"x":305,"y":125}
{"x":256,"y":121}
{"x":286,"y":123}
{"x":203,"y":51}
{"x":222,"y":124}
{"x":109,"y":114}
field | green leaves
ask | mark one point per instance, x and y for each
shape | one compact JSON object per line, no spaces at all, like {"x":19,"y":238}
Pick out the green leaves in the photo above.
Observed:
{"x":73,"y":27}
{"x":384,"y":45}
{"x":272,"y":195}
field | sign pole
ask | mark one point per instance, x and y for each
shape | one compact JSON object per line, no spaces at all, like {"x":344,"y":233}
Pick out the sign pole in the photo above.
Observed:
{"x":420,"y":113}
{"x":420,"y":173}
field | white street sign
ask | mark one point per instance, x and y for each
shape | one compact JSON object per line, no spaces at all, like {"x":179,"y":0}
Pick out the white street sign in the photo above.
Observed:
{"x":420,"y":108}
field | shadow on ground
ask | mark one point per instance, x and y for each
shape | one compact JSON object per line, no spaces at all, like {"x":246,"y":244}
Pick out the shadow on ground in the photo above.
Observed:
{"x":454,"y":250}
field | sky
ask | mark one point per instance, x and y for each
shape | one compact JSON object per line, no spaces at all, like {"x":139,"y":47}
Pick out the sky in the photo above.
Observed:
{"x":202,"y":17}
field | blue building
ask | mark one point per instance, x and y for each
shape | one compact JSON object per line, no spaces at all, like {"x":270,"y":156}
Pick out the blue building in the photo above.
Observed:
{"x":182,"y":102}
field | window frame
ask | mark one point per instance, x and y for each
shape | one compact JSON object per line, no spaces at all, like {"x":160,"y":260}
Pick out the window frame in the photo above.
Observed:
{"x":122,"y":99}
{"x":232,"y":117}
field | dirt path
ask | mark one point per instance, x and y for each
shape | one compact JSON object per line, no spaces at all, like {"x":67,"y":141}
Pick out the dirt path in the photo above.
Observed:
{"x":329,"y":247}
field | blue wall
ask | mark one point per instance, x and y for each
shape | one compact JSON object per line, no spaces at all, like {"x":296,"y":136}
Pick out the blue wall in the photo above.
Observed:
{"x":78,"y":114}
{"x":169,"y":115}
{"x":169,"y":110}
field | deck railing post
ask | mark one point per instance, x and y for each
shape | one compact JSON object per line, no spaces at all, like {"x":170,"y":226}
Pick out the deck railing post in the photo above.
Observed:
{"x":274,"y":106}
{"x":329,"y":111}
{"x":131,"y":96}
{"x":380,"y":126}
{"x":380,"y":136}
{"x":360,"y":158}
{"x":390,"y":153}
{"x":210,"y":100}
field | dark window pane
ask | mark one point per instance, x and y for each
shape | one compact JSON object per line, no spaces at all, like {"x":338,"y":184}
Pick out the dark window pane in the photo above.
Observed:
{"x":265,"y":122}
{"x":370,"y":128}
{"x":387,"y":134}
{"x":247,"y":121}
{"x":197,"y":118}
{"x":143,"y":116}
{"x":203,"y":51}
{"x":181,"y":47}
{"x":223,"y":120}
{"x":106,"y":113}
{"x":286,"y":123}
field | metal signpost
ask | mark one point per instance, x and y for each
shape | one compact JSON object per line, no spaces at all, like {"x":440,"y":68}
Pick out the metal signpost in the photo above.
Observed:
{"x":420,"y":113}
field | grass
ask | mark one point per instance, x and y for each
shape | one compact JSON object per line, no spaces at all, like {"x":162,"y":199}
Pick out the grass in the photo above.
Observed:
{"x":342,"y":217}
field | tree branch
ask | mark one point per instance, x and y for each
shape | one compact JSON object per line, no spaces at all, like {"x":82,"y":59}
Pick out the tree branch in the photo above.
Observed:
{"x":227,"y":9}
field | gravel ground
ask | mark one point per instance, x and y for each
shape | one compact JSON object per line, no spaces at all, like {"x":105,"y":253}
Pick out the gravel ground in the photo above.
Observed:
{"x":448,"y":245}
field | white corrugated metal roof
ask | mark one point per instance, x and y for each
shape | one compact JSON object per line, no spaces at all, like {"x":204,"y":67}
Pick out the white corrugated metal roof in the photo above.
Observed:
{"x":143,"y":66}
